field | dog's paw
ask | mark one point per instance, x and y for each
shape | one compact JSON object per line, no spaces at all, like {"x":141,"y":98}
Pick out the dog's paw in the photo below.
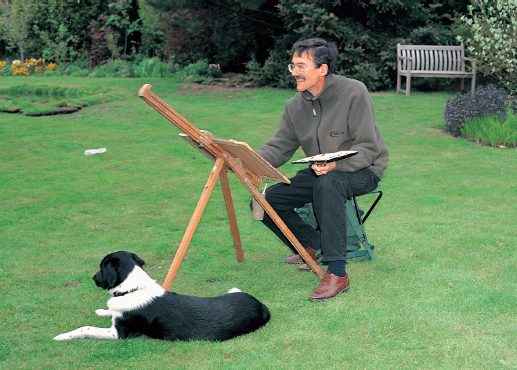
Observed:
{"x":62,"y":337}
{"x":102,"y":312}
{"x":235,"y":290}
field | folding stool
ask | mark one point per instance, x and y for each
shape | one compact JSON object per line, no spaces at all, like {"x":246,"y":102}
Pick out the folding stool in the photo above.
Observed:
{"x":357,"y":242}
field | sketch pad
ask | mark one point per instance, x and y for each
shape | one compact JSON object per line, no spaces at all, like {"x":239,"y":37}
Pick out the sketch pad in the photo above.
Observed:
{"x":250,"y":158}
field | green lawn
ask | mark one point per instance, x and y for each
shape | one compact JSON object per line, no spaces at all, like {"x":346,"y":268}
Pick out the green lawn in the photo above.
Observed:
{"x":441,"y":293}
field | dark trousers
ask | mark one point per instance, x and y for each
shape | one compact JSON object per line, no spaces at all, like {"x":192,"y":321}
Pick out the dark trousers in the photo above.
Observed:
{"x":328,"y":194}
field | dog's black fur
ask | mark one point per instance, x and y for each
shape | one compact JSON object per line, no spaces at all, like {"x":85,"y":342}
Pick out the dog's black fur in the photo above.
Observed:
{"x":140,"y":306}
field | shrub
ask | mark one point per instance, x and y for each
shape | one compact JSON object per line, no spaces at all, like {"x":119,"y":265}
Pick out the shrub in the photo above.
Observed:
{"x":98,"y":73}
{"x":199,"y":69}
{"x":30,"y":67}
{"x":486,"y":101}
{"x":103,"y":42}
{"x":5,"y":69}
{"x":76,"y":69}
{"x":146,"y":67}
{"x":359,"y":53}
{"x":492,"y":130}
{"x":494,"y":26}
{"x":274,"y":72}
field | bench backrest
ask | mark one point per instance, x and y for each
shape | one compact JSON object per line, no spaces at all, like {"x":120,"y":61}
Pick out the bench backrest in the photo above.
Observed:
{"x":431,"y":58}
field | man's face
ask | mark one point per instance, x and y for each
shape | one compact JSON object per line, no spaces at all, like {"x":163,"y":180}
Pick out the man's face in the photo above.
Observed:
{"x":310,"y":78}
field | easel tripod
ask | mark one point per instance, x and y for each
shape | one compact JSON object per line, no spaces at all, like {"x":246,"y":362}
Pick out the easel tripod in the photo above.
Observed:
{"x":228,"y":155}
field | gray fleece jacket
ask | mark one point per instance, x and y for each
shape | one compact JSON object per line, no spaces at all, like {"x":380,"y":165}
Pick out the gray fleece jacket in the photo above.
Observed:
{"x":340,"y":117}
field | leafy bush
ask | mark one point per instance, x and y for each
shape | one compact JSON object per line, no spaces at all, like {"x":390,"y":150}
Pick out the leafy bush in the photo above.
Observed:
{"x":5,"y":69}
{"x":199,"y":69}
{"x":76,"y":69}
{"x":115,"y":68}
{"x":98,"y":73}
{"x":486,"y":101}
{"x":104,"y":45}
{"x":274,"y":72}
{"x":146,"y":67}
{"x":359,"y":57}
{"x":494,"y":26}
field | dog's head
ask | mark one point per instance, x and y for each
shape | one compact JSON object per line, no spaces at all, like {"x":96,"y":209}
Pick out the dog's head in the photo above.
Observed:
{"x":115,"y":268}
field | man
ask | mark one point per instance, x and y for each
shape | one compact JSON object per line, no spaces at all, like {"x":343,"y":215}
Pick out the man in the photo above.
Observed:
{"x":329,"y":113}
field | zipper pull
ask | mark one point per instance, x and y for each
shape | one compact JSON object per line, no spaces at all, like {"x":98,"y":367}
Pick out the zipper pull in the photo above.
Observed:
{"x":313,"y":111}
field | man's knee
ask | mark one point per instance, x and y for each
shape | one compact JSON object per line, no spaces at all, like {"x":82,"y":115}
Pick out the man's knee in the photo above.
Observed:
{"x":331,"y":184}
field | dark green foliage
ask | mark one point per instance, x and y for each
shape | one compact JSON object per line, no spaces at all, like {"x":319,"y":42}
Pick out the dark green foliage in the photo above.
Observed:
{"x":247,"y":35}
{"x":152,"y":30}
{"x":75,"y":16}
{"x":274,"y":70}
{"x":225,"y":33}
{"x":366,"y":34}
{"x":486,"y":101}
{"x":102,"y":42}
{"x":175,"y":5}
{"x":66,"y":25}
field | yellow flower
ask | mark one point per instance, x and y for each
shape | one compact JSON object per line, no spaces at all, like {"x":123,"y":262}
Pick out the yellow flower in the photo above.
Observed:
{"x":31,"y":66}
{"x":51,"y":66}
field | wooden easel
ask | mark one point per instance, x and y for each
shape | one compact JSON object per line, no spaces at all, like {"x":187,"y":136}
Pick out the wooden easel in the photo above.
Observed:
{"x":228,"y":155}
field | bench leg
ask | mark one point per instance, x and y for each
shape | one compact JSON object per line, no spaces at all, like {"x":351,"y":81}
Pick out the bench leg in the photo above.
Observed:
{"x":408,"y":84}
{"x":462,"y":84}
{"x":398,"y":82}
{"x":473,"y":86}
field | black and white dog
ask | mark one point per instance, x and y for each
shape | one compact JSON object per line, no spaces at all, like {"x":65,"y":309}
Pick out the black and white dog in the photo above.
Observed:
{"x":140,"y":306}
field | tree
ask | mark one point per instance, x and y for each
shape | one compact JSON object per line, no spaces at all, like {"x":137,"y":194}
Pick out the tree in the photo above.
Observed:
{"x":60,"y":29}
{"x":104,"y":43}
{"x":366,"y":32}
{"x":120,"y":18}
{"x":494,"y":39}
{"x":152,"y":30}
{"x":225,"y":32}
{"x":14,"y":24}
{"x":57,"y":45}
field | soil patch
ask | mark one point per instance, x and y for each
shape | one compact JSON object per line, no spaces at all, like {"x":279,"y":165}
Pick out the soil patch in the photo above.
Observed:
{"x":443,"y":132}
{"x":62,"y":108}
{"x":228,"y":83}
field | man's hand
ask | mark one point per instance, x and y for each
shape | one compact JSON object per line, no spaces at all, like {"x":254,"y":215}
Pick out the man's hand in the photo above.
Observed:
{"x":322,"y":168}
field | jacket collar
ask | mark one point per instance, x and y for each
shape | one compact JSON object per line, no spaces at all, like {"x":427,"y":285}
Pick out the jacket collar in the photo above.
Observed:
{"x":327,"y":88}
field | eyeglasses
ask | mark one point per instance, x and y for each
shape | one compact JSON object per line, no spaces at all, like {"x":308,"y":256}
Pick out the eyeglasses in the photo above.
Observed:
{"x":299,"y":67}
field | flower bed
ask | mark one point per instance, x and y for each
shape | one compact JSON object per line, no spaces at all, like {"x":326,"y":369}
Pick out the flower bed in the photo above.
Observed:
{"x":30,"y":67}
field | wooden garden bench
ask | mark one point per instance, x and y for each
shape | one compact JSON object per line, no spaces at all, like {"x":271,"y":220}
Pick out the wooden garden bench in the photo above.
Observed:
{"x":433,"y":61}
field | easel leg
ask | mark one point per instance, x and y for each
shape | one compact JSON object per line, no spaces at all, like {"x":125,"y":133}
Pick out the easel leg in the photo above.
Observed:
{"x":289,"y":235}
{"x":281,"y":225}
{"x":231,"y":214}
{"x":187,"y":237}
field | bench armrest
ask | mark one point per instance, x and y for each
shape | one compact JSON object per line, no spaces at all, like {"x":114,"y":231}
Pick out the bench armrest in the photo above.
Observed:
{"x":472,"y":60}
{"x":409,"y":62}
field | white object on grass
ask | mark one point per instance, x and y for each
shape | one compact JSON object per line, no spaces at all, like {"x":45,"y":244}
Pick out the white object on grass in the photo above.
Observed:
{"x":94,"y":151}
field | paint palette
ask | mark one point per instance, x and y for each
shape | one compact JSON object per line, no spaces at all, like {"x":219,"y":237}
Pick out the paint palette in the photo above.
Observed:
{"x":328,"y":157}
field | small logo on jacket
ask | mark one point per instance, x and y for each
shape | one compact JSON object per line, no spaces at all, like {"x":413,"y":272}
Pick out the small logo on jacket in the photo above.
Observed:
{"x":336,"y":133}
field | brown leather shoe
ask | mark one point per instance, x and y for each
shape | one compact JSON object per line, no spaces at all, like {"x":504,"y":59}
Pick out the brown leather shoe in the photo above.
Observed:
{"x":330,"y":286}
{"x":296,"y":259}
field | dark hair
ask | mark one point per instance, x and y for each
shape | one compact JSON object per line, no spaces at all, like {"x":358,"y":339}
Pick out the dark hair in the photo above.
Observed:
{"x":321,"y":51}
